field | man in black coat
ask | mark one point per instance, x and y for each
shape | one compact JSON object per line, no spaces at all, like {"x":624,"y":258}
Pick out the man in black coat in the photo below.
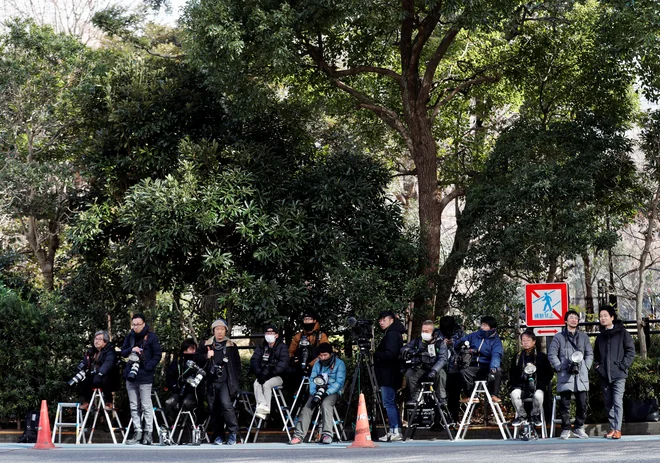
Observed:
{"x":525,"y":385}
{"x":268,"y":362}
{"x":101,"y":364}
{"x":614,"y":352}
{"x":142,"y":347}
{"x":388,"y":369}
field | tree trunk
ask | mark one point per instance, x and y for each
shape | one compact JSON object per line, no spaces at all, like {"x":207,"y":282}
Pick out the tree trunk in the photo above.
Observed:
{"x":588,"y":284}
{"x":45,"y":256}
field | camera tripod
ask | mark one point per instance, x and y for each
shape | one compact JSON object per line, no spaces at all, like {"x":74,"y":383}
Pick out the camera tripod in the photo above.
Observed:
{"x":364,"y":360}
{"x":427,"y":395}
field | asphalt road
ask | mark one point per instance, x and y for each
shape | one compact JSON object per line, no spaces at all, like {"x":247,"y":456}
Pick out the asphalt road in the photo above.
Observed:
{"x":628,"y":449}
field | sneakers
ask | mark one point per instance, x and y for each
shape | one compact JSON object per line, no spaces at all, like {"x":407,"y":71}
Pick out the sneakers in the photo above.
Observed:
{"x":609,"y":434}
{"x":616,"y":434}
{"x":518,"y":421}
{"x":137,"y":438}
{"x":262,"y":411}
{"x":108,"y":406}
{"x":231,"y":440}
{"x":579,"y":432}
{"x":295,"y":441}
{"x":467,"y":400}
{"x":536,"y":420}
{"x":217,"y":441}
{"x":395,"y":436}
{"x":496,"y":399}
{"x":565,"y":434}
{"x":326,"y":439}
{"x":147,"y":439}
{"x":385,"y":438}
{"x":259,"y":414}
{"x":84,"y":406}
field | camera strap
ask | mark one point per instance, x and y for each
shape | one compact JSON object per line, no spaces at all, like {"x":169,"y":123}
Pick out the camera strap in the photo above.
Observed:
{"x":568,"y":338}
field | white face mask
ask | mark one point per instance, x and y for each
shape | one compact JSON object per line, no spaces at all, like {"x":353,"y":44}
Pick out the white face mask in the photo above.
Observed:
{"x":270,"y":338}
{"x":427,"y":336}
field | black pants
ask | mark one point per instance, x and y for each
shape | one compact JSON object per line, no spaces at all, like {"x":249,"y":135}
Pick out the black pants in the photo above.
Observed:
{"x":87,"y":388}
{"x":464,"y":379}
{"x":221,"y":409}
{"x":565,"y":409}
{"x":176,"y":402}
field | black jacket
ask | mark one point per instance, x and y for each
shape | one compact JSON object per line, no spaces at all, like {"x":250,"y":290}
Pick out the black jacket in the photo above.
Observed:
{"x":386,"y":357}
{"x":614,"y":352}
{"x":434,"y":359}
{"x":233,"y":366}
{"x":178,"y":372}
{"x":278,"y":359}
{"x":544,"y":371}
{"x":105,"y":362}
{"x":151,"y":354}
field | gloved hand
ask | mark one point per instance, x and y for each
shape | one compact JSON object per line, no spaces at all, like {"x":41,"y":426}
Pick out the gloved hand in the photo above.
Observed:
{"x":431,"y":374}
{"x":98,"y":379}
{"x":491,"y":374}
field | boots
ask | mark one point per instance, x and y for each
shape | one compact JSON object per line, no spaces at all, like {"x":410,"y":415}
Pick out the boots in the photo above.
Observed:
{"x":147,"y":438}
{"x":137,"y":438}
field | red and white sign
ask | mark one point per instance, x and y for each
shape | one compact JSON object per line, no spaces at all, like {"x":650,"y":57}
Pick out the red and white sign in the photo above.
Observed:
{"x":546,"y":304}
{"x":547,"y":330}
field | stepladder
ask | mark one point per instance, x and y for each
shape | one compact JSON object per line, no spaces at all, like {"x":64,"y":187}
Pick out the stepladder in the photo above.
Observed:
{"x":59,"y":423}
{"x":161,"y":429}
{"x":96,"y":405}
{"x":481,"y":389}
{"x":257,"y":423}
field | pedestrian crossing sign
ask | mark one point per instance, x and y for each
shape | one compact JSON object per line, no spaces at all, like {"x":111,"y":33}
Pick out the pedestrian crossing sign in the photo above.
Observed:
{"x":546,"y":304}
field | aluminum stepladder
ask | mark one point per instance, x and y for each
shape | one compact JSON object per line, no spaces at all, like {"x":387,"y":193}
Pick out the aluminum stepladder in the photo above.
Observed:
{"x":299,"y":396}
{"x":481,"y":387}
{"x":285,"y":414}
{"x":337,"y":425}
{"x":427,"y":396}
{"x":59,"y":423}
{"x":95,"y":406}
{"x":158,"y":408}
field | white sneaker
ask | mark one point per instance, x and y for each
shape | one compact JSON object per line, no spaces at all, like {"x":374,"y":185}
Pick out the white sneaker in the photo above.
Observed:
{"x":565,"y":434}
{"x":259,"y":414}
{"x":579,"y":432}
{"x":395,"y":437}
{"x":384,"y":438}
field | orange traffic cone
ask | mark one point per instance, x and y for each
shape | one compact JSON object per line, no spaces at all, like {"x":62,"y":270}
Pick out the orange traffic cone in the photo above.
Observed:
{"x":44,"y":441}
{"x":362,"y":434}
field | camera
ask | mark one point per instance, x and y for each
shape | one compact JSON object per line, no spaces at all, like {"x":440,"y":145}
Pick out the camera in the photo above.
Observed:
{"x":362,"y":331}
{"x":576,"y":360}
{"x":197,"y":376}
{"x":411,"y":357}
{"x":216,"y":369}
{"x":304,"y":351}
{"x":134,"y":363}
{"x":321,"y":388}
{"x":530,"y":371}
{"x":81,"y":375}
{"x":464,"y":355}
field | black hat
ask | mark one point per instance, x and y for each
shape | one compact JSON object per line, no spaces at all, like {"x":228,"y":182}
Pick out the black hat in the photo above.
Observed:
{"x":310,"y":314}
{"x":324,"y":347}
{"x":272,"y":328}
{"x":386,"y":313}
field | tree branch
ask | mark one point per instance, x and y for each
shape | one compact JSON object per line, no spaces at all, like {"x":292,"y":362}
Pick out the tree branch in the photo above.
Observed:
{"x":453,"y":92}
{"x":432,"y":64}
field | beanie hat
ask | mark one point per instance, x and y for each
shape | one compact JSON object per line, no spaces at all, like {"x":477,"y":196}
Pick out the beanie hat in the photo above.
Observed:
{"x":219,"y":322}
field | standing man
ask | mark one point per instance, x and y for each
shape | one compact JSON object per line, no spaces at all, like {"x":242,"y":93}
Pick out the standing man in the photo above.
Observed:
{"x":268,"y":362}
{"x":223,"y":373}
{"x":614,"y":353}
{"x":143,"y":350}
{"x":572,"y":375}
{"x":388,"y":369}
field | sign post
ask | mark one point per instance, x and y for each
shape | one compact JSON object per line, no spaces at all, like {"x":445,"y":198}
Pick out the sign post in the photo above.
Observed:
{"x":546,"y":305}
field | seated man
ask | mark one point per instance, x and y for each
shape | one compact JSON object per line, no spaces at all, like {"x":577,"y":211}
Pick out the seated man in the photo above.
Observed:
{"x":478,"y":356}
{"x":425,"y":359}
{"x":523,"y":385}
{"x":269,"y":361}
{"x":181,"y":380}
{"x":98,"y":370}
{"x":330,"y":371}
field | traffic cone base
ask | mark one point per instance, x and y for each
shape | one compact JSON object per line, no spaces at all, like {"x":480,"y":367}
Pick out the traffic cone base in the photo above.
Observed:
{"x":44,"y":441}
{"x":362,"y":434}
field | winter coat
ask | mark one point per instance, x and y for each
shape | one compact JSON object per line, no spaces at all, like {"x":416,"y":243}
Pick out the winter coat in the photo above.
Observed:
{"x":386,"y":357}
{"x":150,"y":357}
{"x":233,"y":367}
{"x":487,"y":346}
{"x":543,"y":374}
{"x":434,"y":358}
{"x":335,"y":374}
{"x":278,"y":360}
{"x":559,"y":355}
{"x":315,"y":337}
{"x":102,"y":362}
{"x":614,"y":352}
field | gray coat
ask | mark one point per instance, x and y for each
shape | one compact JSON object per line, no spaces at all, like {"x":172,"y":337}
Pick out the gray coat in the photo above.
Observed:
{"x":559,"y":355}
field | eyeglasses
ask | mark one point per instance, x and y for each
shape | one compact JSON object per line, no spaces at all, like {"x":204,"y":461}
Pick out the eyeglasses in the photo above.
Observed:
{"x":137,"y":324}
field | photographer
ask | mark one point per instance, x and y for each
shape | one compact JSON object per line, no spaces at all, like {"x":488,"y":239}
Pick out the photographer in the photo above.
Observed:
{"x":388,"y":369}
{"x":425,"y":358}
{"x":330,"y":372}
{"x":524,"y":385}
{"x":181,"y":379}
{"x":450,"y":332}
{"x":573,"y":373}
{"x":143,"y":350}
{"x":100,"y":371}
{"x":303,"y":345}
{"x":269,"y":361}
{"x":478,"y":358}
{"x":614,"y":353}
{"x":223,"y":373}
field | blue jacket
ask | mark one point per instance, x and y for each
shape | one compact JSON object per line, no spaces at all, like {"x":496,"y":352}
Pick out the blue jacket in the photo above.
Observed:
{"x":336,"y":373}
{"x":487,"y":346}
{"x":151,"y":354}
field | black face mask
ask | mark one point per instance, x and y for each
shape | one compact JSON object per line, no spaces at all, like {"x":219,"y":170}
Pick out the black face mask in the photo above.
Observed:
{"x":328,"y":362}
{"x":188,"y":357}
{"x":308,"y":326}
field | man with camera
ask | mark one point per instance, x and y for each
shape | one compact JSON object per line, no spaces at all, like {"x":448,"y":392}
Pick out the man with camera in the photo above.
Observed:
{"x":325,"y":387}
{"x":98,"y":370}
{"x":269,"y":361}
{"x":143,"y":350}
{"x":571,"y":355}
{"x":182,"y":378}
{"x":478,"y":358}
{"x":425,"y":358}
{"x":223,"y":373}
{"x":304,"y":342}
{"x":529,"y":376}
{"x":388,"y":369}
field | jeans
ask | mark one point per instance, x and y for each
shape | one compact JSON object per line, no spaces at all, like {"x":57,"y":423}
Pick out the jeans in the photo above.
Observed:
{"x":517,"y":400}
{"x":580,"y":409}
{"x":613,"y":394}
{"x":263,"y":393}
{"x":139,"y":397}
{"x":389,"y":394}
{"x":221,"y":408}
{"x":306,"y":413}
{"x":415,"y":377}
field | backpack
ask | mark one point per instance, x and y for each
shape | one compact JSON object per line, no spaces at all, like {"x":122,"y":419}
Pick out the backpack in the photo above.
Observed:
{"x":31,"y":428}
